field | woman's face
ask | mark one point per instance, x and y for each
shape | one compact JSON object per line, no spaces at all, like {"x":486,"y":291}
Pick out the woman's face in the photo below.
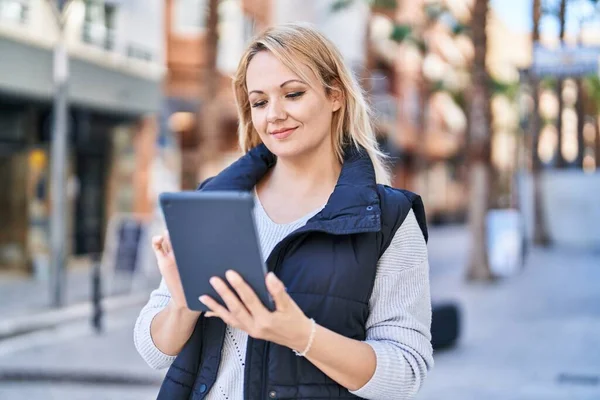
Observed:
{"x":292,"y":116}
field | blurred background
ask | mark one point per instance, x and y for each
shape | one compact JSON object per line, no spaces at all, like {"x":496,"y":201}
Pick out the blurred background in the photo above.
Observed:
{"x":490,"y":109}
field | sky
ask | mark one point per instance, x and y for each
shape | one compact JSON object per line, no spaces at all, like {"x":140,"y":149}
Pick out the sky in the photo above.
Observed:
{"x":516,"y":14}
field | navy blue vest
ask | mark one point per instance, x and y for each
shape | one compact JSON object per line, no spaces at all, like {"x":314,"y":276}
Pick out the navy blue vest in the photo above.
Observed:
{"x":328,"y":267}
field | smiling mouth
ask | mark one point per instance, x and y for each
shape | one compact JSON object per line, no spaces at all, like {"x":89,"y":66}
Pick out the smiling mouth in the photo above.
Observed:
{"x":282,"y":134}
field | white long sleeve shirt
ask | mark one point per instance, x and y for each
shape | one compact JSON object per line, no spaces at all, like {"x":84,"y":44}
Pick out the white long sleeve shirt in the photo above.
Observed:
{"x":398,"y":326}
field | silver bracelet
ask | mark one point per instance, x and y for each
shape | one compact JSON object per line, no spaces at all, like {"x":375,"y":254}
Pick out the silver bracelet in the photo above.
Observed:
{"x":311,"y":338}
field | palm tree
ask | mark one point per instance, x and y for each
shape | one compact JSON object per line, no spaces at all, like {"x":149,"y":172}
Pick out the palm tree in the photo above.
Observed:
{"x":208,"y":122}
{"x":562,"y":14}
{"x":592,"y":86}
{"x":479,"y":152}
{"x":540,"y":230}
{"x":209,"y":113}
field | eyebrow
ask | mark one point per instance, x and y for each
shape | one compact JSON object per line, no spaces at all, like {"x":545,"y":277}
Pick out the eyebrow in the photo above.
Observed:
{"x":282,"y":85}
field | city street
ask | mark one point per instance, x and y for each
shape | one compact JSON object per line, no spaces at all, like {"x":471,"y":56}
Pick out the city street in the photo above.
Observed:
{"x":532,"y":336}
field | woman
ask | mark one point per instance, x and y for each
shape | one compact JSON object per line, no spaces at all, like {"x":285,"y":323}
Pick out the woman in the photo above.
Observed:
{"x":347,"y":254}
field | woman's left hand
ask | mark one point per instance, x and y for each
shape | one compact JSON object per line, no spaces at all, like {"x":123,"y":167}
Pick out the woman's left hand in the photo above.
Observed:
{"x":286,"y":326}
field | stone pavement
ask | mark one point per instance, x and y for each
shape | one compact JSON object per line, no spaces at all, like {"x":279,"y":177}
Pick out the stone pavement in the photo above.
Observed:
{"x":535,"y":335}
{"x":19,"y":295}
{"x":531,"y":336}
{"x":75,"y":352}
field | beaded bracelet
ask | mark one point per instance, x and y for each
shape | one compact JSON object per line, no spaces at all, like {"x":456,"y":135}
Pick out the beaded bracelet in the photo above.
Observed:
{"x":310,"y":340}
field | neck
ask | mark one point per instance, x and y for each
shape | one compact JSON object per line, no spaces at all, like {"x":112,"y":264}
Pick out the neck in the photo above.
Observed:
{"x":313,"y":172}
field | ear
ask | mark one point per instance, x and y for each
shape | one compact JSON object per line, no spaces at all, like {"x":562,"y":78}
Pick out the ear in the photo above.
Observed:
{"x":337,"y":98}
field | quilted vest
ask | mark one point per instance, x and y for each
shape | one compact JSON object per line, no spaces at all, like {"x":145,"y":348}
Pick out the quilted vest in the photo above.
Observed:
{"x":328,"y":267}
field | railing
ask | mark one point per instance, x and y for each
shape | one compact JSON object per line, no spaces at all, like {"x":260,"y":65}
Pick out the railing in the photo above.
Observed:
{"x":14,"y":11}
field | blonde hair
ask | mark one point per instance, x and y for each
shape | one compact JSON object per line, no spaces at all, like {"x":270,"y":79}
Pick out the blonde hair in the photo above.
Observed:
{"x":297,"y":43}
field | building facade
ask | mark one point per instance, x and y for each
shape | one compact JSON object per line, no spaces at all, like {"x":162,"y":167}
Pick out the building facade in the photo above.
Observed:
{"x":116,"y":66}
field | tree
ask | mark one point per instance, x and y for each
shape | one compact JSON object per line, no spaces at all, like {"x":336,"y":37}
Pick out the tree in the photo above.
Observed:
{"x":208,"y":116}
{"x":592,"y":86}
{"x":581,"y":86}
{"x":540,"y":230}
{"x":209,"y":125}
{"x":479,"y":152}
{"x":562,"y":15}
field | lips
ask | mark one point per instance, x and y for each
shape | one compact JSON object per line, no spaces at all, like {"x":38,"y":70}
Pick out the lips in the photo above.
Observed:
{"x":283,"y":133}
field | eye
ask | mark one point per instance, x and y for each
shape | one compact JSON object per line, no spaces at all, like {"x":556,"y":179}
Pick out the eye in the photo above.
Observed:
{"x":259,"y":104}
{"x":294,"y":95}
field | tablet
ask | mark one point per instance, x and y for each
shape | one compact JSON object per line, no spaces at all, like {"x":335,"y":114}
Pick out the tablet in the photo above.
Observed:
{"x":212,"y":232}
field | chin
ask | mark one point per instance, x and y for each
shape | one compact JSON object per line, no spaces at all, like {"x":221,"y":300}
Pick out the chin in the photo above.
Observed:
{"x":287,"y":149}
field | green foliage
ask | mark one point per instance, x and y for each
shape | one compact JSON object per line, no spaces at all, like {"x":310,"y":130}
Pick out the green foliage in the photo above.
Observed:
{"x":438,"y":86}
{"x":592,"y":87}
{"x":548,"y":83}
{"x":385,"y":4}
{"x":400,"y":33}
{"x":509,"y":90}
{"x":339,"y":5}
{"x":460,"y":98}
{"x":459,"y":28}
{"x":418,"y":42}
{"x":434,"y":10}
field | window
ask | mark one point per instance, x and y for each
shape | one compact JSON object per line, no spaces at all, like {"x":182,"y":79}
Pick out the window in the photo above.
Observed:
{"x":189,"y":16}
{"x":99,"y":24}
{"x":14,"y":10}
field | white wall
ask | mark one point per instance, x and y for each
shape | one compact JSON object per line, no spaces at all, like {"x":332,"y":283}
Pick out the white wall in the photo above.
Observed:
{"x":571,"y":204}
{"x":294,"y":10}
{"x":39,"y":29}
{"x":139,"y":22}
{"x":231,"y":36}
{"x":346,"y":28}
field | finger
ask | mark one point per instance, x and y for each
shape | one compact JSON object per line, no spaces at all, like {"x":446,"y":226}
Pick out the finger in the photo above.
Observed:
{"x":157,"y":245}
{"x":217,"y":310}
{"x":278,"y":292}
{"x":156,"y":241}
{"x":246,"y":293}
{"x":234,"y":305}
{"x":167,"y":243}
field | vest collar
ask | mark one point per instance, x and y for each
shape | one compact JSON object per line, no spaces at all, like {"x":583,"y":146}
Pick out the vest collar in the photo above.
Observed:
{"x":353,"y":207}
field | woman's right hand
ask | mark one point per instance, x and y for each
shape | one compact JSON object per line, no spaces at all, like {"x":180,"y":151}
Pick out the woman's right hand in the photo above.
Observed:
{"x":168,"y":270}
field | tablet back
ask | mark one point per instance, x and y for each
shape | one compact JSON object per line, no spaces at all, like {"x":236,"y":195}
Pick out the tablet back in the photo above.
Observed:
{"x":212,"y":232}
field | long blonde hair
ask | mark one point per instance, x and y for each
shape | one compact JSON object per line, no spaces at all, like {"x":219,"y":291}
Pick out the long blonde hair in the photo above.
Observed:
{"x":296,"y":43}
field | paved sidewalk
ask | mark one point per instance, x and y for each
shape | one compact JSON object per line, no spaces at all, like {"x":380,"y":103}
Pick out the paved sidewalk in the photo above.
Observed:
{"x":533,"y":336}
{"x":73,"y":362}
{"x":25,"y":301}
{"x":26,"y":295}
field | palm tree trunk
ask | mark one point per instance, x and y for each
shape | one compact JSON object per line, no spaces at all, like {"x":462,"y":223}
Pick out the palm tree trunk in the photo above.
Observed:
{"x":209,"y":143}
{"x":479,"y":147}
{"x":560,"y":160}
{"x":540,"y":230}
{"x":597,"y":155}
{"x":580,"y":108}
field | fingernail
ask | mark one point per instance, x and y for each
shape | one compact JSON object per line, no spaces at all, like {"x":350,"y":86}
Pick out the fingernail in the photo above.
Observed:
{"x":202,"y":299}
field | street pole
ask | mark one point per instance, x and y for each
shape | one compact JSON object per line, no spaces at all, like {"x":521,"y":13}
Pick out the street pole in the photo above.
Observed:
{"x":58,"y":159}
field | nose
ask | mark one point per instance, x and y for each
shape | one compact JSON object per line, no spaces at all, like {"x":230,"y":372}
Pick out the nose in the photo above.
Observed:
{"x":275,"y":111}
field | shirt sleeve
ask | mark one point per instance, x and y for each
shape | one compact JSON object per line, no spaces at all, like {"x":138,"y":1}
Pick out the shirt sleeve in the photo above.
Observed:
{"x":142,"y":338}
{"x":398,"y":327}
